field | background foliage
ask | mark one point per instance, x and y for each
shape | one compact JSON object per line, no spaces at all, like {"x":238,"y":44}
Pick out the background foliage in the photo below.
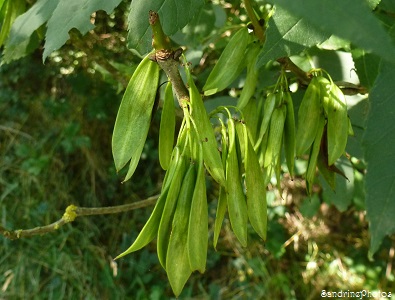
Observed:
{"x":56,"y":122}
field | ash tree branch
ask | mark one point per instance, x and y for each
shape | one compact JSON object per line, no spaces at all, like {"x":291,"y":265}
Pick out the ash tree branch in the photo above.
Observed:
{"x":167,"y":58}
{"x":71,"y":213}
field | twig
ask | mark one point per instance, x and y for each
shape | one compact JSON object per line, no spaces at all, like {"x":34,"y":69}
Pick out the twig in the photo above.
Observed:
{"x":169,"y":65}
{"x":259,"y":31}
{"x":347,"y":88}
{"x":16,"y":131}
{"x":288,"y":64}
{"x":71,"y":213}
{"x":167,"y":58}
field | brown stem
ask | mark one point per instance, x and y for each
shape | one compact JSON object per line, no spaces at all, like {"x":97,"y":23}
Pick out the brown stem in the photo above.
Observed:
{"x":71,"y":213}
{"x":287,"y":64}
{"x":258,"y":30}
{"x":347,"y":88}
{"x":168,"y":61}
{"x":167,"y":58}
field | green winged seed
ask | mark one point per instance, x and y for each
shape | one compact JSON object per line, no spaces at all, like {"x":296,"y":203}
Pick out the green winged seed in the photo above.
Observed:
{"x":262,"y":150}
{"x":134,"y":116}
{"x":230,"y":63}
{"x":327,"y":174}
{"x":167,"y":128}
{"x":289,"y":134}
{"x":325,"y":87}
{"x":242,"y":134}
{"x":220,"y":214}
{"x":222,"y":201}
{"x":315,"y":149}
{"x":275,"y":138}
{"x":177,"y":260}
{"x":309,"y":115}
{"x":237,"y":206}
{"x":268,"y":108}
{"x":175,"y":156}
{"x":337,"y":124}
{"x":211,"y":156}
{"x":251,"y":117}
{"x":164,"y":229}
{"x":252,"y":76}
{"x":255,"y":187}
{"x":150,"y":229}
{"x":198,"y":223}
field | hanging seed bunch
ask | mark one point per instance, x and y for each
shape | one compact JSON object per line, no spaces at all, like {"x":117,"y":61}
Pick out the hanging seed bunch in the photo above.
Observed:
{"x":323,"y":127}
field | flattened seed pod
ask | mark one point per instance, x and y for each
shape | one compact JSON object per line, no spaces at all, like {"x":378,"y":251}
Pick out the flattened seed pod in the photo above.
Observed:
{"x":268,"y":108}
{"x":338,"y":125}
{"x":167,"y":128}
{"x":150,"y":229}
{"x":198,"y":222}
{"x":177,"y":260}
{"x":211,"y":156}
{"x":315,"y":149}
{"x":237,"y":206}
{"x":134,"y":116}
{"x":165,"y":224}
{"x":309,"y":115}
{"x":230,"y":63}
{"x":289,"y":134}
{"x":275,"y":138}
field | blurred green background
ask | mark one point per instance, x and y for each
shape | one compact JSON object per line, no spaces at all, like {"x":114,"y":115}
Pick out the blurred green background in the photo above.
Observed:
{"x":56,"y":121}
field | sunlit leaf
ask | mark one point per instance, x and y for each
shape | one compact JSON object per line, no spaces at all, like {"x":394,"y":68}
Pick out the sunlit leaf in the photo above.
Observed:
{"x":24,"y":26}
{"x":350,"y":19}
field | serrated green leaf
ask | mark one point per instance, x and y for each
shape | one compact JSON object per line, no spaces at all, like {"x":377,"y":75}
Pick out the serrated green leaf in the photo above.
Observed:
{"x":173,"y":15}
{"x":72,"y":14}
{"x":9,"y":11}
{"x":349,"y":19}
{"x":288,"y":35}
{"x":24,"y":26}
{"x":379,"y":144}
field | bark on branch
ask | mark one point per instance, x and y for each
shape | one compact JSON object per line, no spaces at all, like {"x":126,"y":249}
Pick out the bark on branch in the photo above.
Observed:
{"x":347,"y":88}
{"x":71,"y":213}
